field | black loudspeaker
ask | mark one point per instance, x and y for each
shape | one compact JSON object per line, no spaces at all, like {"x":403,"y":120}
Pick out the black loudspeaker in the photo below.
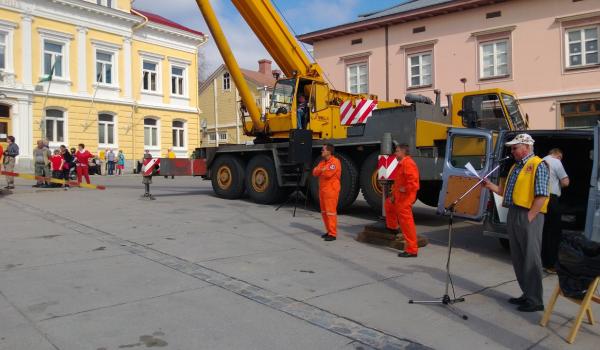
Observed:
{"x":300,"y":150}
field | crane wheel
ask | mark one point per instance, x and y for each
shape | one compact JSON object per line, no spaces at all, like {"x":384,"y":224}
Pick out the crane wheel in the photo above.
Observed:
{"x":429,"y":192}
{"x":349,"y":183}
{"x":369,"y":185}
{"x":261,"y":180}
{"x":227,"y":176}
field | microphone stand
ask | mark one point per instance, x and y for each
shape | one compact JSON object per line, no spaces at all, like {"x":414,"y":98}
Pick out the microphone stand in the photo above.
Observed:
{"x":446,"y":300}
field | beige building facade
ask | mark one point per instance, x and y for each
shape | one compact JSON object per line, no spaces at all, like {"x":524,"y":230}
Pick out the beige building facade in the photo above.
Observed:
{"x":546,"y":51}
{"x":219,"y":103}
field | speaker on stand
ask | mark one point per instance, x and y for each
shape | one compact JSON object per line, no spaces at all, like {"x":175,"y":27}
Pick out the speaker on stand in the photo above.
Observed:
{"x":299,"y":154}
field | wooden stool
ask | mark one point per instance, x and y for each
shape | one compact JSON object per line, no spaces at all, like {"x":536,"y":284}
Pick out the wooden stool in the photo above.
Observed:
{"x":585,"y":308}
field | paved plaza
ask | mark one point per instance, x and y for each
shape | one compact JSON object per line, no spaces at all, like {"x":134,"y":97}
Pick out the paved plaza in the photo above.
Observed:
{"x":103,"y":270}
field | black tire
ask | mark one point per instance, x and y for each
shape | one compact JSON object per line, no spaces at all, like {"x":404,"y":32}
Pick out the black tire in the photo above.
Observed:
{"x":261,"y":180}
{"x":429,"y":192}
{"x":370,"y":187}
{"x":227,"y":176}
{"x":349,"y":183}
{"x":505,"y":243}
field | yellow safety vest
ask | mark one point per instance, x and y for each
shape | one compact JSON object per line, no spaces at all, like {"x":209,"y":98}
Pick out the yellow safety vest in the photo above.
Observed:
{"x":523,"y":192}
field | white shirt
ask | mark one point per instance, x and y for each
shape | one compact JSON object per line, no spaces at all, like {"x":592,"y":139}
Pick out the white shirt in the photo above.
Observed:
{"x":557,"y":173}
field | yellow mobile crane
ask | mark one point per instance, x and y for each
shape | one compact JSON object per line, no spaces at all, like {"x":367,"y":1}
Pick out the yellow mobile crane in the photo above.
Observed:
{"x":354,"y":123}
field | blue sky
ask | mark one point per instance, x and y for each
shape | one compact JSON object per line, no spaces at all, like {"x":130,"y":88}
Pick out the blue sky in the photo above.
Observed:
{"x":303,"y":16}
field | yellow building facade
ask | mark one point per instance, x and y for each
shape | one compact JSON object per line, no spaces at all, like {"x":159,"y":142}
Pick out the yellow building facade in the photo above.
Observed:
{"x":121,"y":78}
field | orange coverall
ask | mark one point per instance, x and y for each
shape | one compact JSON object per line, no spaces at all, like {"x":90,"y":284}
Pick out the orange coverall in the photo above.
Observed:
{"x":329,"y":173}
{"x":399,"y":213}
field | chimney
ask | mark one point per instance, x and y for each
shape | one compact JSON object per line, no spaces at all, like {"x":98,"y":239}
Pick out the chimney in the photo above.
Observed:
{"x":264,"y":66}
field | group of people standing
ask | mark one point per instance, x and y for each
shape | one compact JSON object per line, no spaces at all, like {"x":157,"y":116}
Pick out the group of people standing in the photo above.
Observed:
{"x":115,"y":163}
{"x":59,"y":164}
{"x":531,"y":194}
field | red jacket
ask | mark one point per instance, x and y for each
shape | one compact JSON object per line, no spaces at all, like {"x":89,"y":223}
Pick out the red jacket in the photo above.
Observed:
{"x":407,"y":177}
{"x":329,"y":173}
{"x":83,"y":157}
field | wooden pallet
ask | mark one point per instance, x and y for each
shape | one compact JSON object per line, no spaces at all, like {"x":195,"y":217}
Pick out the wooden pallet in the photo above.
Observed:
{"x":377,"y":234}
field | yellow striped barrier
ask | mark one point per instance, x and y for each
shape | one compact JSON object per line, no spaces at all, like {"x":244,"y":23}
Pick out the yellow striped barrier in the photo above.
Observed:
{"x":53,"y":180}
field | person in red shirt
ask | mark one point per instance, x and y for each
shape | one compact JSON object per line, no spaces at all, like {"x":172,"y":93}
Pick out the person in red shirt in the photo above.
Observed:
{"x":398,"y":207}
{"x":83,"y":157}
{"x":56,"y":164}
{"x":329,"y":172}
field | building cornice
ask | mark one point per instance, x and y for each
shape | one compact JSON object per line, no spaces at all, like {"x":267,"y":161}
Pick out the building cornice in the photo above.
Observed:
{"x":494,"y":31}
{"x":98,"y":9}
{"x":578,"y":16}
{"x":397,"y":18}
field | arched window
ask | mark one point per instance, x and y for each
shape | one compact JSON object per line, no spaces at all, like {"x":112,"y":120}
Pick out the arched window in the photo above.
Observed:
{"x":226,"y":81}
{"x":4,"y":120}
{"x":178,"y":134}
{"x":55,"y":125}
{"x":150,"y":132}
{"x":106,"y":129}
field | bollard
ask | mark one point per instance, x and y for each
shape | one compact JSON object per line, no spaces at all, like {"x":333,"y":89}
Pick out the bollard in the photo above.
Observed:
{"x":147,"y":171}
{"x":386,"y":149}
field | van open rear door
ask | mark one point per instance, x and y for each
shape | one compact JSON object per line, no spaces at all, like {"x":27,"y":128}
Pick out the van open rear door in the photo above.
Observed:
{"x":592,"y":224}
{"x":466,"y":146}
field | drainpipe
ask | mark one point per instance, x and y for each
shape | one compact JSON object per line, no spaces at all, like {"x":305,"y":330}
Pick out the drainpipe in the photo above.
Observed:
{"x":216,"y":107}
{"x":140,"y":25}
{"x":387,"y":74}
{"x":134,"y":105}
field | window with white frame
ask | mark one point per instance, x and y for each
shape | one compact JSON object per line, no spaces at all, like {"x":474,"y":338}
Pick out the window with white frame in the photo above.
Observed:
{"x":53,"y":57}
{"x":212,"y":136}
{"x":104,"y":67}
{"x":149,"y":76}
{"x":358,"y":78}
{"x":150,"y":132}
{"x":3,"y":49}
{"x":177,"y":80}
{"x":178,"y":134}
{"x":106,"y":129}
{"x":107,"y":3}
{"x":419,"y":69}
{"x":223,"y":136}
{"x":582,"y":47}
{"x":226,"y":81}
{"x":494,"y":59}
{"x":55,"y":125}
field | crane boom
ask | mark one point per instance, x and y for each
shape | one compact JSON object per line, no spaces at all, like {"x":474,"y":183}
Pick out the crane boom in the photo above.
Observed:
{"x":234,"y":69}
{"x":272,"y":32}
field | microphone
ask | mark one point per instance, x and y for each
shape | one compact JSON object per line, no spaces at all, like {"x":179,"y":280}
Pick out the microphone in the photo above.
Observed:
{"x":504,"y":159}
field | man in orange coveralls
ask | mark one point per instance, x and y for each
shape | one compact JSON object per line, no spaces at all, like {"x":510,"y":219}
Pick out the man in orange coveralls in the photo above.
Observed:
{"x":398,"y":207}
{"x":329,"y":172}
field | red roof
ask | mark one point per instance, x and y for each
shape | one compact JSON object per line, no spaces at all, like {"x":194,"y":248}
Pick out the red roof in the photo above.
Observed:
{"x":161,"y":20}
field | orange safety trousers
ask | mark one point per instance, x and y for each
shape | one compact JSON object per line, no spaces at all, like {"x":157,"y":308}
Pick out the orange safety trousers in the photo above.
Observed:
{"x":399,"y":214}
{"x":328,"y":202}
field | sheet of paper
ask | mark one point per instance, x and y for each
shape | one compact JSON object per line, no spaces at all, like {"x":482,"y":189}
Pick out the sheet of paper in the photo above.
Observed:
{"x":502,"y":211}
{"x":472,"y":170}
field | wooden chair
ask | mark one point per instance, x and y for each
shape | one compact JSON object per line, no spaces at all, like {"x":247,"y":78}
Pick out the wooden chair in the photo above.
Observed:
{"x":585,"y":307}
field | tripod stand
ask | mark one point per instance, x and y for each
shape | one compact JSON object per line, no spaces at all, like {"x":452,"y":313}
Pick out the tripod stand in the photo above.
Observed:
{"x":301,"y":170}
{"x":446,"y":300}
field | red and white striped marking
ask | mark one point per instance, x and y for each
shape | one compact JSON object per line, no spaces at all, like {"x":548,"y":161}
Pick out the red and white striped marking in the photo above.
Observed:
{"x":386,"y":167}
{"x":350,"y":115}
{"x":149,"y":165}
